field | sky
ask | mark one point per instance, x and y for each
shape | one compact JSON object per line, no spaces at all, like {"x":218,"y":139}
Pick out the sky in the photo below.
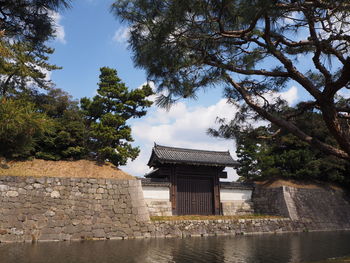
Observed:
{"x":88,"y":37}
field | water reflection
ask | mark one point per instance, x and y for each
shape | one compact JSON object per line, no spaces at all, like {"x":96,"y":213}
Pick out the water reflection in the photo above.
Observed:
{"x":260,"y":248}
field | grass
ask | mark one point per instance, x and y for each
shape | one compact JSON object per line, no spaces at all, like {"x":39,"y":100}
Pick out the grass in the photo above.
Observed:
{"x":211,"y":217}
{"x":43,"y":168}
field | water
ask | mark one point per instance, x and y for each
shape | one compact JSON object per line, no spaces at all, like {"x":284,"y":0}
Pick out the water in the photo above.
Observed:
{"x":279,"y":248}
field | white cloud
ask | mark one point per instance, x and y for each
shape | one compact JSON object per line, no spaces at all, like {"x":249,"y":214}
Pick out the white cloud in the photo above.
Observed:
{"x":121,"y":35}
{"x":31,"y":82}
{"x":184,"y":126}
{"x":59,"y":29}
{"x":344,"y":92}
{"x":291,"y":95}
{"x":181,"y":126}
{"x":47,"y":73}
{"x":150,"y":83}
{"x":291,"y":18}
{"x":154,"y":88}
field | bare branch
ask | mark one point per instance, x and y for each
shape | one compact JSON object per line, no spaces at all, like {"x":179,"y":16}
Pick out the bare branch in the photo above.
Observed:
{"x":288,"y":64}
{"x":262,"y":72}
{"x":271,"y":136}
{"x":341,"y":82}
{"x":237,"y":33}
{"x":302,"y":109}
{"x":286,"y":124}
{"x":316,"y":57}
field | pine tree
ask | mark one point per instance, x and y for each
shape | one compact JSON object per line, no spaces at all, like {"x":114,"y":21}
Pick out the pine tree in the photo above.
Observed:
{"x":25,"y":26}
{"x":268,"y":152}
{"x":107,"y":114}
{"x":253,"y":48}
{"x":20,"y":125}
{"x":67,"y":137}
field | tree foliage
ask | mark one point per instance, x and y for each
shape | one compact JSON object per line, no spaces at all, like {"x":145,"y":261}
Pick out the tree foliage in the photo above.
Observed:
{"x":106,"y":115}
{"x":67,"y":137}
{"x":24,"y":68}
{"x":29,"y":20}
{"x":46,"y":125}
{"x":267,"y":152}
{"x":254,"y":48}
{"x":51,"y":125}
{"x":25,"y":26}
{"x":20,"y":125}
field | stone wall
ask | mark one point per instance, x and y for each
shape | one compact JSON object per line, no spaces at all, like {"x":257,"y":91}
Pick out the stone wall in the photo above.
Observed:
{"x":237,"y":207}
{"x":269,"y":201}
{"x":38,"y":209}
{"x":320,"y":207}
{"x":236,"y":198}
{"x":157,"y":197}
{"x":227,"y":227}
{"x":71,"y":209}
{"x":158,"y":207}
{"x":326,"y":208}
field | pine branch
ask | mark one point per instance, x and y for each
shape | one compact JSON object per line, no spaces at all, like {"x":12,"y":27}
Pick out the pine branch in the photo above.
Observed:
{"x":286,"y":124}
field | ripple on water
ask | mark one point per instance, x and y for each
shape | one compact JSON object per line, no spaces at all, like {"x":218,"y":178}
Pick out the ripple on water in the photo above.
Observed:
{"x":279,"y":248}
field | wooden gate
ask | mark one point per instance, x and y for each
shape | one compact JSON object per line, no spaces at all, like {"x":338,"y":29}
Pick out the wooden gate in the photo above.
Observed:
{"x":194,"y":195}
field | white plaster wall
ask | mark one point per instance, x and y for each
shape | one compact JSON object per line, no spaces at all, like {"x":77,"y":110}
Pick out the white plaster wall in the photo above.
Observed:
{"x":156,"y":193}
{"x":235,"y":195}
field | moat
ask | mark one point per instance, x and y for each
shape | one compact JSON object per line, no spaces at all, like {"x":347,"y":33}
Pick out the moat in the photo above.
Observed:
{"x":279,"y":248}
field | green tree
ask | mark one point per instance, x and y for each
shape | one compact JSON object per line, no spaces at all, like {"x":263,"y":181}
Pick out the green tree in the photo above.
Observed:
{"x":20,"y":125}
{"x":252,"y":47}
{"x":106,"y":116}
{"x":68,"y":136}
{"x":24,"y":68}
{"x":25,"y":26}
{"x":269,"y":152}
{"x":46,"y":125}
{"x":29,"y":20}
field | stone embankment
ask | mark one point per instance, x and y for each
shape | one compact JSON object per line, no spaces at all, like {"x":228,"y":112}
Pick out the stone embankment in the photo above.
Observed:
{"x":48,"y":208}
{"x":35,"y":209}
{"x":226,"y":227}
{"x":321,"y":207}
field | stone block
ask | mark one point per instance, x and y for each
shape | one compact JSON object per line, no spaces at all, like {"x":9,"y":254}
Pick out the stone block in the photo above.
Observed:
{"x":29,"y":187}
{"x":49,"y":237}
{"x":50,"y":213}
{"x":22,"y":191}
{"x":3,"y":232}
{"x":55,"y":194}
{"x":101,"y":181}
{"x":29,"y":180}
{"x":100,"y":190}
{"x":4,"y":188}
{"x":40,"y":180}
{"x":12,"y":194}
{"x":100,"y":233}
{"x":50,"y":180}
{"x":98,"y":196}
{"x":37,"y":185}
{"x":92,"y":190}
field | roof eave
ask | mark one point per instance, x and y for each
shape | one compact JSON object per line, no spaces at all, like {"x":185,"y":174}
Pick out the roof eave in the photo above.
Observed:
{"x":197,"y":163}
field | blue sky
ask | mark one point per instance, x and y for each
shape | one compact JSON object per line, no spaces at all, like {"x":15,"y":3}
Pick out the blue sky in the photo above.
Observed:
{"x":88,"y":44}
{"x":89,"y":37}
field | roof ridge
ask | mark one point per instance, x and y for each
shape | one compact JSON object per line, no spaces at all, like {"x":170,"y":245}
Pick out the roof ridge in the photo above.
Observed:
{"x":188,"y":150}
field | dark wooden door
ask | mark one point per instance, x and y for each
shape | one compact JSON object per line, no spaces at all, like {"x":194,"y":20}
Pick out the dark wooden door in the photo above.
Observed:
{"x":194,"y":195}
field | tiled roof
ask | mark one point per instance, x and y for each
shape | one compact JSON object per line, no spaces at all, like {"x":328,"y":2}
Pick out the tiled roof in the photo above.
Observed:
{"x":165,"y":154}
